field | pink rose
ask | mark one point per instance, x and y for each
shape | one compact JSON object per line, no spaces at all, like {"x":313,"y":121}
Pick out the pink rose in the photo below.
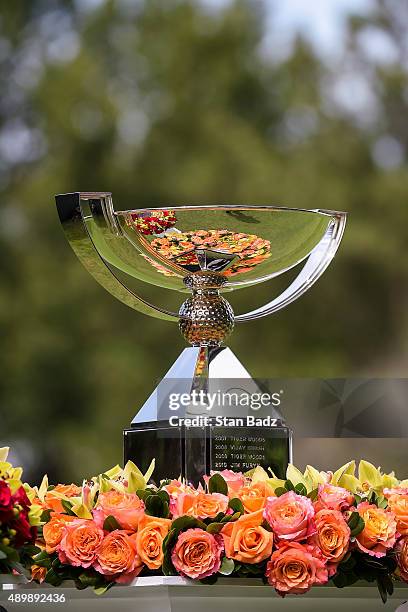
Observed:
{"x":126,"y":508}
{"x":379,"y":533}
{"x":80,"y":543}
{"x":290,"y":516}
{"x":234,"y":480}
{"x":197,"y":554}
{"x":401,"y":550}
{"x":333,"y":498}
{"x":294,"y":568}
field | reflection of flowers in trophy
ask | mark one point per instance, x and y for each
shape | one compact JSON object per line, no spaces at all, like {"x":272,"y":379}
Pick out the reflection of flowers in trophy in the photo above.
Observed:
{"x":154,"y":221}
{"x":250,"y":249}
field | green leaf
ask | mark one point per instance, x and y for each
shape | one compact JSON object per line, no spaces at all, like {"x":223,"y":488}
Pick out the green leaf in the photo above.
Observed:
{"x":217,"y":484}
{"x":340,"y":580}
{"x":382,"y":589}
{"x":280,"y":491}
{"x":11,"y":553}
{"x":110,"y":523}
{"x":164,"y":496}
{"x":88,"y":579}
{"x":67,"y":507}
{"x":187,"y":522}
{"x":348,"y":563}
{"x":300,"y":489}
{"x":358,"y":528}
{"x":143,"y":494}
{"x":45,"y":516}
{"x":102,"y":589}
{"x":227,"y":567}
{"x":156,"y":505}
{"x":353,"y":520}
{"x":313,"y":494}
{"x":53,"y":578}
{"x":215,"y":528}
{"x":289,"y":485}
{"x":236,"y":505}
{"x":2,"y":555}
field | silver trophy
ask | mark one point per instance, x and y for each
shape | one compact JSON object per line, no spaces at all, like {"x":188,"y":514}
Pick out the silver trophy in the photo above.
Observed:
{"x":206,"y":252}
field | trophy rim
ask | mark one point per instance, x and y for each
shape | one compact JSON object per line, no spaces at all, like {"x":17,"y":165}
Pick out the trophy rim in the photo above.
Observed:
{"x":258,"y":207}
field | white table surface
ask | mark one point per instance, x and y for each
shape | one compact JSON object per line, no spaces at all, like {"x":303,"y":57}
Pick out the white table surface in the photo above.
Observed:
{"x":174,"y":594}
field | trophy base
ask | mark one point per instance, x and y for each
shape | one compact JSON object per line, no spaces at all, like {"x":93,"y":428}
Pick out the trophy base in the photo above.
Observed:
{"x":182,"y":452}
{"x":191,"y":442}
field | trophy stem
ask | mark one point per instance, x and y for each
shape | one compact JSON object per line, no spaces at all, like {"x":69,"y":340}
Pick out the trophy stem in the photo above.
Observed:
{"x":206,"y":318}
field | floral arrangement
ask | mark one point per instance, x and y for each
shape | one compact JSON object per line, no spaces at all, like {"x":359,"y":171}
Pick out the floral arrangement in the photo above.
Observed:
{"x":17,"y":524}
{"x":181,"y":246}
{"x":154,"y":222}
{"x":295,"y":533}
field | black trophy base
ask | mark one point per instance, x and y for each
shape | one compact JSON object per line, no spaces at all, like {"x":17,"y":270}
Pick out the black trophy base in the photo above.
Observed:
{"x":193,"y":452}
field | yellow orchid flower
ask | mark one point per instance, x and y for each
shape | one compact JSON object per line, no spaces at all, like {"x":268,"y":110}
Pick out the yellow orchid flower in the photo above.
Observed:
{"x":34,"y":515}
{"x":4,"y":451}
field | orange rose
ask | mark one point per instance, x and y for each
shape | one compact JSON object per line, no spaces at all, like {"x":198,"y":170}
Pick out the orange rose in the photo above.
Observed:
{"x":332,"y":535}
{"x":402,"y":558}
{"x":398,"y":504}
{"x":117,"y":556}
{"x":254,"y":496}
{"x":52,"y":501}
{"x":126,"y":508}
{"x":201,"y":505}
{"x":197,"y":554}
{"x":149,"y":540}
{"x":245,"y":540}
{"x":294,"y":568}
{"x":38,"y":573}
{"x":81,"y":540}
{"x":54,"y":530}
{"x":379,"y":533}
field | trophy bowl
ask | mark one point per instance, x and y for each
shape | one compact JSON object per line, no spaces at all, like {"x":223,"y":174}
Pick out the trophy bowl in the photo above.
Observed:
{"x":207,"y":252}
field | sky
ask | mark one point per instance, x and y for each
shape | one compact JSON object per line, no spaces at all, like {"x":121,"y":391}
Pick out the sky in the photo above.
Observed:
{"x":321,"y":21}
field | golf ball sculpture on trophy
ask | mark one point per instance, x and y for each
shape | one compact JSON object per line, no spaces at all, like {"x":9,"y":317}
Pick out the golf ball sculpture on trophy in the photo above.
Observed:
{"x":206,"y":252}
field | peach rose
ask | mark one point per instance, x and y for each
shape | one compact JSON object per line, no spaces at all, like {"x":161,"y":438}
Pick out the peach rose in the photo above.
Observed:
{"x":54,"y":530}
{"x":197,"y":554}
{"x":200,"y":505}
{"x":117,"y":556}
{"x":294,"y":568}
{"x":254,"y":496}
{"x":401,"y":550}
{"x":38,"y":573}
{"x":235,"y":480}
{"x":80,"y":542}
{"x":149,"y":540}
{"x":174,"y":488}
{"x":398,"y":504}
{"x":379,"y":533}
{"x":246,"y":541}
{"x":290,"y":516}
{"x":126,"y":508}
{"x":52,"y":501}
{"x":332,"y":536}
{"x":333,"y":498}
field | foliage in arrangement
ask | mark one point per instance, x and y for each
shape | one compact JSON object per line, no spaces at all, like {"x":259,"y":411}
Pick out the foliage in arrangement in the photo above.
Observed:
{"x":18,"y":520}
{"x":295,"y":533}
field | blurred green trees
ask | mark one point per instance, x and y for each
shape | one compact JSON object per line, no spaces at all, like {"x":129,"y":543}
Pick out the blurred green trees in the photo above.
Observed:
{"x":164,"y":102}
